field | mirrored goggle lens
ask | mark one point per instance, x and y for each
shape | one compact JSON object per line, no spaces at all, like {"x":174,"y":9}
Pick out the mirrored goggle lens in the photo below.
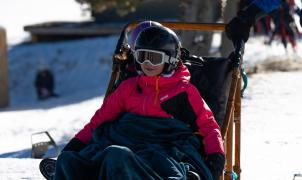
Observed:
{"x":155,"y":58}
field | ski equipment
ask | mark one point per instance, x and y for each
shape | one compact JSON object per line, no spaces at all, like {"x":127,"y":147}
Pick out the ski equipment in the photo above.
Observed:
{"x":155,"y":58}
{"x":41,"y":143}
{"x":47,"y":168}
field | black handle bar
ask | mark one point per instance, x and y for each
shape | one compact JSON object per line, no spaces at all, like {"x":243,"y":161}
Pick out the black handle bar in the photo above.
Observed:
{"x":238,"y":53}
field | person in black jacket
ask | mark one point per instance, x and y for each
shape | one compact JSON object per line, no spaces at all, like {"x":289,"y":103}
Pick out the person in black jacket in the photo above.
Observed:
{"x":44,"y":84}
{"x":252,"y":10}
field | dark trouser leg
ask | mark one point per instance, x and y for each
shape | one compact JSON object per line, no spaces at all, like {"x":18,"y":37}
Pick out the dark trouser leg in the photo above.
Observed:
{"x":39,"y":92}
{"x":114,"y":162}
{"x":120,"y":163}
{"x":70,"y":165}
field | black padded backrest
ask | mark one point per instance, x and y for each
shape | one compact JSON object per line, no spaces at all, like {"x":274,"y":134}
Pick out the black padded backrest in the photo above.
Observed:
{"x":212,"y":77}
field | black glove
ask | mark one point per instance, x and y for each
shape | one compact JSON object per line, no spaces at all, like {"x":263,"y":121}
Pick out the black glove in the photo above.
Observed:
{"x":215,"y":163}
{"x":74,"y":145}
{"x":239,"y":27}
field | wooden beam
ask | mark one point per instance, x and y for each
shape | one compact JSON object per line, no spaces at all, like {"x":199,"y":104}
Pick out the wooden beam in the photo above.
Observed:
{"x":4,"y":92}
{"x":186,"y":26}
{"x":73,"y":29}
{"x":237,"y":123}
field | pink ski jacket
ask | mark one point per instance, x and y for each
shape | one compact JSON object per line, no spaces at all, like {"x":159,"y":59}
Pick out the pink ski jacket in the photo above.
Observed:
{"x":160,"y":96}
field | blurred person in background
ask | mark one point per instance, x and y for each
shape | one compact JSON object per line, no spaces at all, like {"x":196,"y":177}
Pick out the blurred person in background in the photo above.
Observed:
{"x":252,"y":10}
{"x":284,"y":25}
{"x":44,"y":84}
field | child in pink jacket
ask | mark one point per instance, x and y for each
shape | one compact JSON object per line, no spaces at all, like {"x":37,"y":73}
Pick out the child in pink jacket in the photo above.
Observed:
{"x":162,"y":90}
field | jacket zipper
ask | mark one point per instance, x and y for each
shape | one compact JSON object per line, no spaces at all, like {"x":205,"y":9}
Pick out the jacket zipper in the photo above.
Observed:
{"x":144,"y":102}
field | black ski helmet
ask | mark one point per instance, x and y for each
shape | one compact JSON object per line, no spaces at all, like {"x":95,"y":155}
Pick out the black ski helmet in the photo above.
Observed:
{"x":163,"y":39}
{"x":141,"y":26}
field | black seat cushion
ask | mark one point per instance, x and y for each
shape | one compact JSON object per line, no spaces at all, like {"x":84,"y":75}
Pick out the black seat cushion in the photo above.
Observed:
{"x":212,"y":76}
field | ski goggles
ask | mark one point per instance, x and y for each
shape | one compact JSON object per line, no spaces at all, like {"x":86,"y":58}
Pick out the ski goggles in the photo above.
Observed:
{"x":154,"y":57}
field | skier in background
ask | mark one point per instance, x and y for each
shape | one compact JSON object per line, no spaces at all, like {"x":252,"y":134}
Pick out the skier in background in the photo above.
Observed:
{"x":239,"y":27}
{"x":284,"y":25}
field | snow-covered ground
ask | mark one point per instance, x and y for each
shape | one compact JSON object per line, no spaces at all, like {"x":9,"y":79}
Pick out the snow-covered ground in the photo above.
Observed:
{"x":271,"y":127}
{"x":271,"y":110}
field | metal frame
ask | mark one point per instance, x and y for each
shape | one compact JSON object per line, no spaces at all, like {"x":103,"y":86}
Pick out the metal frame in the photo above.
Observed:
{"x":39,"y":149}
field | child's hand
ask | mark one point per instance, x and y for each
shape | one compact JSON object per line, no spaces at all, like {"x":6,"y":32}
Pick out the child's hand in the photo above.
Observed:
{"x":74,"y":145}
{"x":215,"y":163}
